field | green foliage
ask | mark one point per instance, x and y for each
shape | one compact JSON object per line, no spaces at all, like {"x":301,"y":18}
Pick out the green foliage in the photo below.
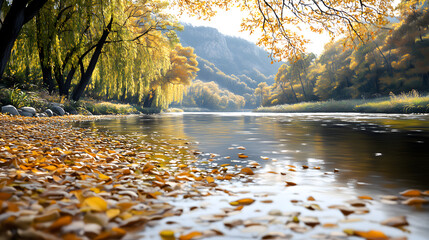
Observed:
{"x":15,"y":97}
{"x":108,"y":108}
{"x":410,"y":102}
{"x":208,"y":95}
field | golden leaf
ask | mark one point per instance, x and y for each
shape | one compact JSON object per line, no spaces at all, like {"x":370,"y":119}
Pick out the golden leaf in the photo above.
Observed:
{"x":112,"y":213}
{"x":60,"y":222}
{"x":95,"y":203}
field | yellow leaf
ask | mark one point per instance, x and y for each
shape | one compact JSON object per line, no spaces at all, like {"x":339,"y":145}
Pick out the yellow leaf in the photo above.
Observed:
{"x":95,"y":204}
{"x":243,"y":201}
{"x":167,"y":234}
{"x":182,"y":165}
{"x":209,"y":179}
{"x":112,"y":213}
{"x":103,"y":177}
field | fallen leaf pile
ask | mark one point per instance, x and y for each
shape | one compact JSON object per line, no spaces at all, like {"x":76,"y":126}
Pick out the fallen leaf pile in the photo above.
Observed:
{"x":62,"y":182}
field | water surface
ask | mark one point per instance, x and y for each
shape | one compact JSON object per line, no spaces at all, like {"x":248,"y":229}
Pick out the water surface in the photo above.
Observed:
{"x":376,"y":154}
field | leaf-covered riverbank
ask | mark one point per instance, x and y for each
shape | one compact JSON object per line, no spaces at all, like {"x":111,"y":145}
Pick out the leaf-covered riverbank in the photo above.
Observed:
{"x":63,"y":182}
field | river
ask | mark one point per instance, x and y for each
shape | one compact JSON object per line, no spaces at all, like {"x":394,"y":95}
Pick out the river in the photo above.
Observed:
{"x":372,"y":154}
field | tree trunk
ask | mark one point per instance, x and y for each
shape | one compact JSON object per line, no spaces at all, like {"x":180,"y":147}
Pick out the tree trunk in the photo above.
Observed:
{"x":302,"y":86}
{"x":86,"y":76}
{"x":293,"y":91}
{"x":19,"y":14}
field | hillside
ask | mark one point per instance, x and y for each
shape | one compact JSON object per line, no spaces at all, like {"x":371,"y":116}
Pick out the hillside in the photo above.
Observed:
{"x":231,"y":55}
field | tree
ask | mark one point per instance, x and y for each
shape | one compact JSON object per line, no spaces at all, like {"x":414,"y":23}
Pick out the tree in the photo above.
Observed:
{"x":280,"y":21}
{"x":16,"y":15}
{"x":262,"y":90}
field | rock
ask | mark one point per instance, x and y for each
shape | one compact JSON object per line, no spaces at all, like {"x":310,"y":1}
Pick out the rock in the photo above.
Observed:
{"x":41,"y":115}
{"x":49,"y":113}
{"x":58,"y":110}
{"x":30,"y":110}
{"x":24,"y":113}
{"x":9,"y":109}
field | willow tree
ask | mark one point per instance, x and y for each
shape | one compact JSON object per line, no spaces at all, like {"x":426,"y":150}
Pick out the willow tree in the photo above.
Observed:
{"x":13,"y":15}
{"x":280,"y":22}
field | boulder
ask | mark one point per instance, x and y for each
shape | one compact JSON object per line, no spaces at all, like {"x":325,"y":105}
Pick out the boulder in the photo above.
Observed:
{"x":41,"y":115}
{"x":58,"y":110}
{"x":49,"y":113}
{"x":9,"y":109}
{"x":24,"y":113}
{"x":29,"y":110}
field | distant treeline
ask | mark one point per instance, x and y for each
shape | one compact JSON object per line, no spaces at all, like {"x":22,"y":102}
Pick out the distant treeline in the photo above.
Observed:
{"x":396,"y":60}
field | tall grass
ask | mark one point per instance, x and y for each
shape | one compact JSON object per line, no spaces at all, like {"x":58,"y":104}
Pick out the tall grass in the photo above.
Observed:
{"x":410,"y":102}
{"x":108,"y":108}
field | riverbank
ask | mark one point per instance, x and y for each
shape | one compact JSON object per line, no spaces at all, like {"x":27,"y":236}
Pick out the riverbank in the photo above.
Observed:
{"x":403,"y":103}
{"x":59,"y":181}
{"x":40,"y":102}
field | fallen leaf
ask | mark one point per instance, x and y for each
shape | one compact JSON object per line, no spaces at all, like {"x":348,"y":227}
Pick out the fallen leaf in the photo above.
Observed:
{"x":372,"y":234}
{"x":411,"y":193}
{"x":60,"y":222}
{"x":190,"y":235}
{"x":95,"y":204}
{"x":247,"y":171}
{"x":396,"y":221}
{"x":365,"y":197}
{"x":415,"y":201}
{"x":167,"y":234}
{"x":243,"y":201}
{"x":288,"y":184}
{"x":241,"y":155}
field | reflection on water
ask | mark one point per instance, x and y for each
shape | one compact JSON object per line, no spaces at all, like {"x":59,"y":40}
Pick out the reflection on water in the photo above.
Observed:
{"x":382,"y":150}
{"x":376,"y":154}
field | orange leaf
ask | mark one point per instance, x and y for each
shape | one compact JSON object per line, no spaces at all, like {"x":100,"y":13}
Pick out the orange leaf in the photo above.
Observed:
{"x":241,"y":155}
{"x":243,"y":201}
{"x":290,"y":184}
{"x":411,"y":193}
{"x":50,"y":168}
{"x":372,"y":234}
{"x":190,"y":235}
{"x":103,"y":177}
{"x":209,"y":179}
{"x":4,"y":196}
{"x":56,"y":178}
{"x":247,"y":171}
{"x":365,"y":197}
{"x":60,"y":222}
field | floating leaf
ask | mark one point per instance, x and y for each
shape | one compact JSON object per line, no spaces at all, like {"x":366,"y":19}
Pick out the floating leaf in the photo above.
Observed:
{"x":167,"y":235}
{"x":415,"y":201}
{"x":411,"y":193}
{"x":247,"y":171}
{"x":241,"y":148}
{"x":190,"y":235}
{"x":243,"y":201}
{"x":241,"y":155}
{"x":288,"y":184}
{"x":396,"y":221}
{"x":209,"y":179}
{"x":95,"y":204}
{"x":372,"y":234}
{"x":365,"y":197}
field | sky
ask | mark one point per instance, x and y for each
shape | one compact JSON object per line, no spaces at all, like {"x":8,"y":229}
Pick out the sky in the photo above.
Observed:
{"x":229,"y":22}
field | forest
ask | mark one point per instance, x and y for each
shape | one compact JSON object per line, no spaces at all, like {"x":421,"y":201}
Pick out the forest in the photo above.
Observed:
{"x":394,"y":60}
{"x":130,"y":52}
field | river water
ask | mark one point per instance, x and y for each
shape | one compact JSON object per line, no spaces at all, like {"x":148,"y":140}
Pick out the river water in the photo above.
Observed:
{"x":376,"y":155}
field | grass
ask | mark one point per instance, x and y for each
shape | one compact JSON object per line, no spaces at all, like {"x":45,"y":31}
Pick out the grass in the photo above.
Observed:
{"x":108,"y":108}
{"x":410,"y":102}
